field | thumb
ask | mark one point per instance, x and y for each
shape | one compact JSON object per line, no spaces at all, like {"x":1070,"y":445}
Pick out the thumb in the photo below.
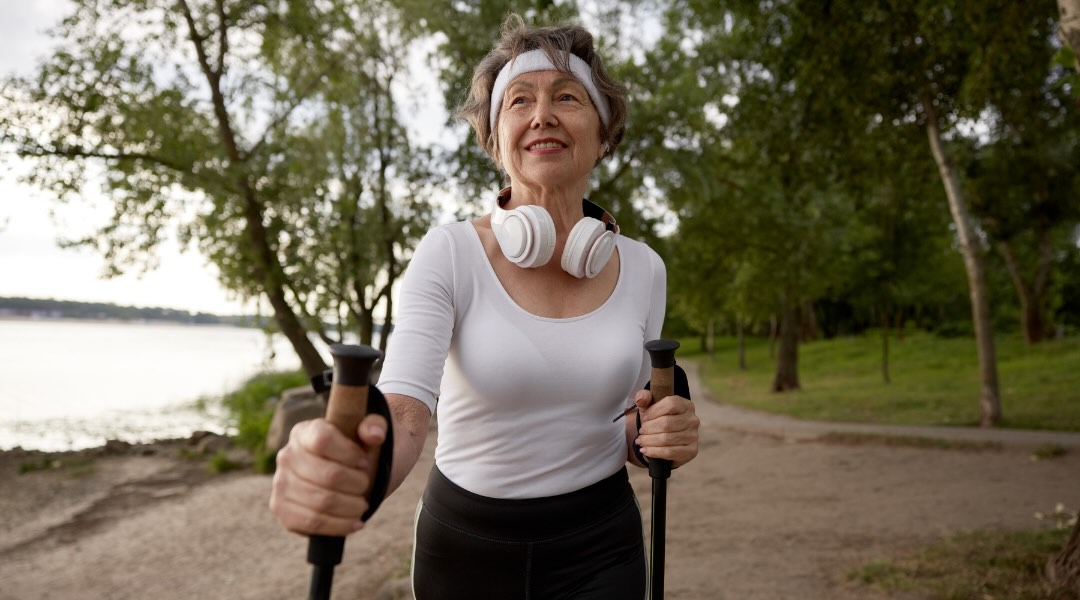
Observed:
{"x":643,"y":399}
{"x":372,"y":431}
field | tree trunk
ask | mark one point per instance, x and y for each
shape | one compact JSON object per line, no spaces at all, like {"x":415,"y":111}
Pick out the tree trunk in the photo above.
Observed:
{"x":268,"y":271}
{"x":1034,"y":310}
{"x":990,"y":396}
{"x":1063,"y":570}
{"x":1069,"y":30}
{"x":787,"y":367}
{"x":885,"y":343}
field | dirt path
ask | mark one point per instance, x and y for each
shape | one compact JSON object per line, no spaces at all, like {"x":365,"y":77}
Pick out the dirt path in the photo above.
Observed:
{"x":765,"y":512}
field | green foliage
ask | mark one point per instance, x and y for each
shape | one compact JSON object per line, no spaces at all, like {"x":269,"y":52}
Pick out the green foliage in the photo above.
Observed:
{"x":934,"y":381}
{"x":1048,"y":451}
{"x":977,"y":564}
{"x":250,"y":410}
{"x":220,"y":463}
{"x":75,"y":465}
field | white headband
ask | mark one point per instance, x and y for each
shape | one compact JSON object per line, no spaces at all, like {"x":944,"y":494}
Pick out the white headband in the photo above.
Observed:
{"x":536,"y":60}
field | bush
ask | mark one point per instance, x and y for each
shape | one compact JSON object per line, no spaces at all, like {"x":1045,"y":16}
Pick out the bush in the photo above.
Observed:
{"x":250,"y":411}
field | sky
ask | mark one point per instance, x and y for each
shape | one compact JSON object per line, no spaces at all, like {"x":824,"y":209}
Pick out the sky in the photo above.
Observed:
{"x":32,"y":264}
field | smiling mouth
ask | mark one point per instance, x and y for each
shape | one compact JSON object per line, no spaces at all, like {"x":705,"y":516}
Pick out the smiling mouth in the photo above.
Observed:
{"x":546,"y":146}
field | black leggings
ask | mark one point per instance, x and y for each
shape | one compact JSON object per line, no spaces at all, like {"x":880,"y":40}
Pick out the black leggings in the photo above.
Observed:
{"x":584,"y":545}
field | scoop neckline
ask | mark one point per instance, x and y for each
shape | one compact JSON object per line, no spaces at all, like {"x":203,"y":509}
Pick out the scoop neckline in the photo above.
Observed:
{"x":506,"y":295}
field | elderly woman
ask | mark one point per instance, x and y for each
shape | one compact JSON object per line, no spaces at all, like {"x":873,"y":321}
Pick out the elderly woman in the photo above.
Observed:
{"x":526,"y":326}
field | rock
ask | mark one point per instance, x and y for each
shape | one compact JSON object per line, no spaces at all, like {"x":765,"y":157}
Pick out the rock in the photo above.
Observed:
{"x":396,"y":589}
{"x":116,"y":447}
{"x":297,"y":404}
{"x":212,"y":443}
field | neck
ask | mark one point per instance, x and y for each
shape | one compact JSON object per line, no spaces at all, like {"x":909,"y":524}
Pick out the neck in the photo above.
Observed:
{"x":563,"y":204}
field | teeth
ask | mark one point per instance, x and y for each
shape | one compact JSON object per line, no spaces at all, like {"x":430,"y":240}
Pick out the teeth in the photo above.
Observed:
{"x":546,"y":145}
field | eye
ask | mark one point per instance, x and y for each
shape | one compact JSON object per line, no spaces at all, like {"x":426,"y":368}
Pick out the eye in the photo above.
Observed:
{"x":566,"y":97}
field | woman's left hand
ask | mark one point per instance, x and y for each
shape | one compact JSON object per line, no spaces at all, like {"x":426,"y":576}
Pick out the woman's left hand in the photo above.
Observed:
{"x":669,"y":428}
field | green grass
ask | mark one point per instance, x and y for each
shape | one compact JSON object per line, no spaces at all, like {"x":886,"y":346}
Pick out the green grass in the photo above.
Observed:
{"x":934,"y":381}
{"x":978,"y":564}
{"x":250,"y":412}
{"x":76,"y":465}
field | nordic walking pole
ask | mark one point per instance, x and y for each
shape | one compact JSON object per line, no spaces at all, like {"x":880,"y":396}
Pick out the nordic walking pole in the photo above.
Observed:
{"x":662,"y":385}
{"x":345,"y":409}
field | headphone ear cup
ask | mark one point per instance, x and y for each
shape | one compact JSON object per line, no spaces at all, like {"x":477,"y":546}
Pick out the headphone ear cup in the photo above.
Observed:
{"x":579,"y":244}
{"x":514,"y":235}
{"x":542,"y":230}
{"x":599,"y":254}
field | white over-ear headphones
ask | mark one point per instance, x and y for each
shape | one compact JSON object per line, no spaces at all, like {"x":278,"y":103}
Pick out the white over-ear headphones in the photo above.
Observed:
{"x":527,"y":237}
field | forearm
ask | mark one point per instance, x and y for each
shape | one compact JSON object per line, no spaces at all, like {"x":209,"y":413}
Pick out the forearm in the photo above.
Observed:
{"x":411,"y":422}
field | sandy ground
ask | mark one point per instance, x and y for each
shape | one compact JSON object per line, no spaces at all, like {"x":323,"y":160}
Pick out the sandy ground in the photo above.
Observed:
{"x":762,"y":513}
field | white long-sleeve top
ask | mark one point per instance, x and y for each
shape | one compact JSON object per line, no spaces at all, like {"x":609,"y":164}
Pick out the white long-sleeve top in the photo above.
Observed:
{"x":525,"y":403}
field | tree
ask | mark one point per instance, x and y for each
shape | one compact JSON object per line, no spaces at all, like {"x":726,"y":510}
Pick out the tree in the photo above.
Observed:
{"x":900,"y":64}
{"x":206,"y":116}
{"x":784,"y":137}
{"x":1069,"y":28}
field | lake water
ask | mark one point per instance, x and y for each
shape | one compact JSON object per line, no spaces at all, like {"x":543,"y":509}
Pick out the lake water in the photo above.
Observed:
{"x":74,"y":384}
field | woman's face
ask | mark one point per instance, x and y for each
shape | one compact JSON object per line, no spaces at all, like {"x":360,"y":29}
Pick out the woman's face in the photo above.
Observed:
{"x":548,"y":131}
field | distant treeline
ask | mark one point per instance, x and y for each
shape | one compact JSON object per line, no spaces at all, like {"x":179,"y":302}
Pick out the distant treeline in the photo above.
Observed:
{"x":67,"y":309}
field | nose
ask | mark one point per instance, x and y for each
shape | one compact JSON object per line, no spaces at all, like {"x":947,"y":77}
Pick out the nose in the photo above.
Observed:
{"x":543,"y":115}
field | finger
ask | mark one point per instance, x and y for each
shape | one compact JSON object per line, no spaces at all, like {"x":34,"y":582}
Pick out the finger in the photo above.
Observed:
{"x":325,"y":473}
{"x":669,"y":405}
{"x":666,"y":439}
{"x":304,"y":508}
{"x":318,"y":437}
{"x":324,"y":501}
{"x":305,"y":521}
{"x":678,"y":455}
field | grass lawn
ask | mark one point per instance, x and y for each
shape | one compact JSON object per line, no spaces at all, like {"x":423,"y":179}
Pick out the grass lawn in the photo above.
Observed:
{"x":978,"y":564}
{"x":934,"y":381}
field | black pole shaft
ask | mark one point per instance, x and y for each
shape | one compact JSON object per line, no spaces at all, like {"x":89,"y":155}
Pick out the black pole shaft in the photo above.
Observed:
{"x":662,"y":358}
{"x":657,"y":537}
{"x":322,"y":580}
{"x":345,"y":409}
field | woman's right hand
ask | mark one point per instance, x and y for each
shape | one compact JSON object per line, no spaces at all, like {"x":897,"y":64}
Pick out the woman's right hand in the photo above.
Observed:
{"x":323,"y":477}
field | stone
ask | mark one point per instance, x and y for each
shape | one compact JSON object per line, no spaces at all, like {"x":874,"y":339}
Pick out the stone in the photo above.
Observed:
{"x":296,"y":405}
{"x":212,"y":444}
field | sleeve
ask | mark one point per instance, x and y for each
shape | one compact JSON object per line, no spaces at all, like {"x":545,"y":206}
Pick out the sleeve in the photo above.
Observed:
{"x":418,"y":345}
{"x":654,"y":322}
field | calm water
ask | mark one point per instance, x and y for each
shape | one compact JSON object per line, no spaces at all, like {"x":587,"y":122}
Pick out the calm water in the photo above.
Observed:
{"x":70,"y":384}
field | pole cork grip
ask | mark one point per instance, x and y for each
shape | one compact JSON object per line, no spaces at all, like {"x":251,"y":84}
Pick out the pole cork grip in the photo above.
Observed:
{"x":348,"y":401}
{"x":662,"y":357}
{"x":346,"y":408}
